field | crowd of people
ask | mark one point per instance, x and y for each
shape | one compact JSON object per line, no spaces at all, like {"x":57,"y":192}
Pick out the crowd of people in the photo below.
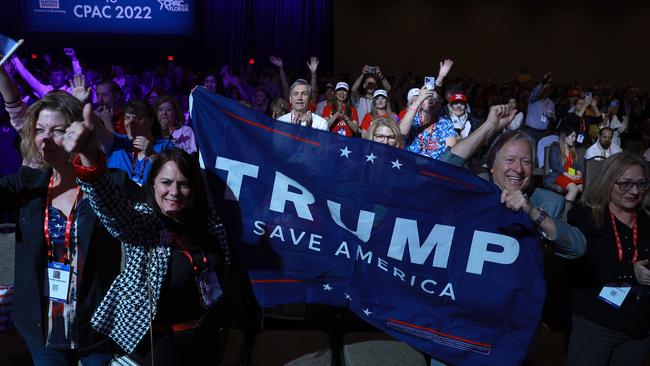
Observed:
{"x":99,"y":160}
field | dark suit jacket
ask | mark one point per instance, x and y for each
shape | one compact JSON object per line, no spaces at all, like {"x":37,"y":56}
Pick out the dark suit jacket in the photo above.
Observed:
{"x":98,"y":250}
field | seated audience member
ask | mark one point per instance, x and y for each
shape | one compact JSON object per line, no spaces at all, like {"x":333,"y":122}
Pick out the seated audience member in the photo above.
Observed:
{"x":299,"y":95}
{"x":385,"y":131}
{"x":463,"y":121}
{"x":279,"y":107}
{"x":610,"y":300}
{"x":424,"y":135}
{"x":58,"y":75}
{"x":565,"y":167}
{"x":603,"y":148}
{"x":329,"y":99}
{"x":135,"y":151}
{"x":177,"y":258}
{"x":171,"y":121}
{"x":109,"y":105}
{"x":616,"y":120}
{"x":380,"y":109}
{"x":368,"y":80}
{"x":341,"y":116}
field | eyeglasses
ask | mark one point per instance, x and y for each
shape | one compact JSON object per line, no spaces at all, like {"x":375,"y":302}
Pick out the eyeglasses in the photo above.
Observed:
{"x":626,"y":185}
{"x":384,"y":137}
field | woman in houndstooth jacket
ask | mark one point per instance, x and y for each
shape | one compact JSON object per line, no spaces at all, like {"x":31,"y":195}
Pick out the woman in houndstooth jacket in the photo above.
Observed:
{"x":177,"y":256}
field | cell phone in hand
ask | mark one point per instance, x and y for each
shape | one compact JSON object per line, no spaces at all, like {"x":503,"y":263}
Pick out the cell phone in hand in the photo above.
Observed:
{"x":372,"y":69}
{"x":430,"y":82}
{"x":588,"y":96}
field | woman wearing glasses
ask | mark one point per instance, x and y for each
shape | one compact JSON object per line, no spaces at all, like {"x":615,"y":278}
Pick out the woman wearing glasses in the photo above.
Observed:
{"x":611,"y":306}
{"x":385,"y":131}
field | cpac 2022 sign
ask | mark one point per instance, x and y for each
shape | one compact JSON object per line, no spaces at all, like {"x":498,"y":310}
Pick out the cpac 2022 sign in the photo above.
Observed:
{"x":112,"y":16}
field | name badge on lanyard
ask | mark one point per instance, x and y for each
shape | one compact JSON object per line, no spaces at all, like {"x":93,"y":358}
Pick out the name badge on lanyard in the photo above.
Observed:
{"x":58,"y":281}
{"x":57,"y":284}
{"x":614,"y":295}
{"x":209,"y":287}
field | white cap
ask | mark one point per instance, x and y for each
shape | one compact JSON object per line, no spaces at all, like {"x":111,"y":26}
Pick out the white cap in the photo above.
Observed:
{"x":342,"y":85}
{"x":379,"y":92}
{"x":412,"y":93}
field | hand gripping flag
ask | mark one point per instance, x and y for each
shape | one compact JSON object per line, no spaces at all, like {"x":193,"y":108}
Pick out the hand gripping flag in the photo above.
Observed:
{"x":7,"y":47}
{"x":421,"y":249}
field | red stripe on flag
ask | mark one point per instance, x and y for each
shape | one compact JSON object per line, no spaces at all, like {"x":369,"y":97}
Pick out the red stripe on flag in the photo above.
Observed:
{"x":443,"y":177}
{"x":256,"y":124}
{"x":276,"y":281}
{"x":441,"y":333}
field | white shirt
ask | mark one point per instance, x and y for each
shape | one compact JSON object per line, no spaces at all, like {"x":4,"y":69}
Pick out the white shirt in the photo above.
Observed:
{"x":597,"y":150}
{"x":317,"y":121}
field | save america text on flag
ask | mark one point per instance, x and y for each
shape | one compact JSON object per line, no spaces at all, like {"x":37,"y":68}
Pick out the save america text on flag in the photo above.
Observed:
{"x":421,"y":249}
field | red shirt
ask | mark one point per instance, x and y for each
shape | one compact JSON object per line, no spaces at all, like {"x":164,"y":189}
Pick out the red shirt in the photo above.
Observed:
{"x":340,"y":127}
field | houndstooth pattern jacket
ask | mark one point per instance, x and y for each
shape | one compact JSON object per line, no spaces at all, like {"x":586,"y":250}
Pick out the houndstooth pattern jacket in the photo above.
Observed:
{"x":123,"y":314}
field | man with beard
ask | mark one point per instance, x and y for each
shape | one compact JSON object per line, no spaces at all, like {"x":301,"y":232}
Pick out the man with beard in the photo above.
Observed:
{"x":603,"y":148}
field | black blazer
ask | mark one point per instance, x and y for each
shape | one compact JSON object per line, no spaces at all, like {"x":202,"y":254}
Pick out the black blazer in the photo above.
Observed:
{"x":27,"y":190}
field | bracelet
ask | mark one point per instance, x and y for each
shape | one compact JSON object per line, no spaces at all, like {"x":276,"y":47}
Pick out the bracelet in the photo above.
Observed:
{"x":540,"y":217}
{"x":17,"y":101}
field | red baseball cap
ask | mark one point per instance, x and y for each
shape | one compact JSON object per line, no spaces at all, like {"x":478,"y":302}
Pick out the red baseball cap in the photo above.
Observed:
{"x":458,"y":97}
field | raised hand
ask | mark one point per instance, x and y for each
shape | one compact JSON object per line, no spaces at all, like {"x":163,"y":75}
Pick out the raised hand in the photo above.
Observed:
{"x":378,"y":73}
{"x":364,"y":69}
{"x":500,"y":116}
{"x":79,"y":90}
{"x":312,"y":64}
{"x":80,"y":136}
{"x":445,"y":67}
{"x":276,"y":61}
{"x":143,"y":144}
{"x":70,"y":53}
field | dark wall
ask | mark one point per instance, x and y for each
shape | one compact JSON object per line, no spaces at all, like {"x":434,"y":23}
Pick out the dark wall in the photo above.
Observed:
{"x":577,"y":40}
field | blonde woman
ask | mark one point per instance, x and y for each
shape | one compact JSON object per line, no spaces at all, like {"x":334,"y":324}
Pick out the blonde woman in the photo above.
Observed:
{"x":385,"y":131}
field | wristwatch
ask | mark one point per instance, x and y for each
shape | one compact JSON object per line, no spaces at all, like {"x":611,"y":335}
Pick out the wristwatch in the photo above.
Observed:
{"x":540,"y":217}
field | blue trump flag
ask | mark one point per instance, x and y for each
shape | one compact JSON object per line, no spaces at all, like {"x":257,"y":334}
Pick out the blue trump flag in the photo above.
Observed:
{"x":421,"y":249}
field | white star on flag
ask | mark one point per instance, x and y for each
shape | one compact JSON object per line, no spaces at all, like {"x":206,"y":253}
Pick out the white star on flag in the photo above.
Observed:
{"x":371,"y":158}
{"x":345,"y":152}
{"x":347,"y":297}
{"x":396,"y":164}
{"x":327,"y":287}
{"x":367,"y":311}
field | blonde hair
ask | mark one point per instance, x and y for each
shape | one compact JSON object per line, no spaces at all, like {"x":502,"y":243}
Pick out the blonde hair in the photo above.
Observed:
{"x":386,"y":122}
{"x":597,"y":195}
{"x":55,"y":101}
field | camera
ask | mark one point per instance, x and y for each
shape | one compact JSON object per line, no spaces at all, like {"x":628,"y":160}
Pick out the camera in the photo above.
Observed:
{"x":372,"y":69}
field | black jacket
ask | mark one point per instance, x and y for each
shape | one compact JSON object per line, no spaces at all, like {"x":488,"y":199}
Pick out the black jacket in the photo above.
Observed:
{"x":100,"y":253}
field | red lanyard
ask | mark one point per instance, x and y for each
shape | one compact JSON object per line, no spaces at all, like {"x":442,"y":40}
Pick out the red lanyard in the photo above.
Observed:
{"x":618,"y":239}
{"x":188,"y":255}
{"x":134,"y":160}
{"x":67,"y":257}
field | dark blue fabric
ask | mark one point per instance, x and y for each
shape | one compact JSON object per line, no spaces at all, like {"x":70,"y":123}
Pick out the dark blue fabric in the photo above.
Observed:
{"x":493,"y":312}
